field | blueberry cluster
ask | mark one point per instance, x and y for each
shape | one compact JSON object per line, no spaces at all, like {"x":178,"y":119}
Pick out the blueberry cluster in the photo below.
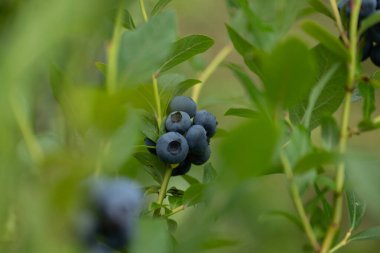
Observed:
{"x":370,"y":41}
{"x":107,"y":223}
{"x":187,"y":136}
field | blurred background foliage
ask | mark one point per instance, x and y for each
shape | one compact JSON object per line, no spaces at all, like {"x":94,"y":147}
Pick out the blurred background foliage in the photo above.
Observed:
{"x":58,"y":127}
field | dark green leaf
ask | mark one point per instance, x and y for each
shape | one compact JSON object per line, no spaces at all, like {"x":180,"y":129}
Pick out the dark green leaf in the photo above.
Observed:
{"x":185,"y":49}
{"x":241,"y":112}
{"x":299,"y":145}
{"x":143,"y":50}
{"x":172,"y":225}
{"x":182,"y":87}
{"x":325,"y":38}
{"x":369,"y":234}
{"x":209,"y":174}
{"x":159,"y":6}
{"x":332,"y":95}
{"x":102,"y":67}
{"x":284,"y":84}
{"x":356,"y":208}
{"x":152,"y":164}
{"x":254,"y":93}
{"x":216,"y":243}
{"x":194,"y":194}
{"x":128,"y":22}
{"x":175,"y":201}
{"x":316,"y":92}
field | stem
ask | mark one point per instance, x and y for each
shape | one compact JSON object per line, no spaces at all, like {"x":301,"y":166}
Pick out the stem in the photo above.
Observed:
{"x":335,"y":10}
{"x":177,"y":210}
{"x":298,"y":203}
{"x":158,"y":103}
{"x":163,"y":189}
{"x":143,"y":11}
{"x":113,"y":52}
{"x":342,"y":243}
{"x":33,"y":146}
{"x":340,"y":173}
{"x":203,"y":77}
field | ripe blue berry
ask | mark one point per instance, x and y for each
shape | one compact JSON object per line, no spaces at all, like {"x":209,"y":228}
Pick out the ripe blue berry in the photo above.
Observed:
{"x":116,"y":205}
{"x":375,"y":55}
{"x":172,"y":148}
{"x":184,"y":104}
{"x":197,"y":139}
{"x":199,"y":159}
{"x":366,"y":50}
{"x":178,"y":122}
{"x":207,"y":120}
{"x":375,"y":33}
{"x":148,"y":142}
{"x":367,"y":7}
{"x":182,"y":168}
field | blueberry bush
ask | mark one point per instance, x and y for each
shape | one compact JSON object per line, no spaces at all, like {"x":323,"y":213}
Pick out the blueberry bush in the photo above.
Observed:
{"x":189,"y":126}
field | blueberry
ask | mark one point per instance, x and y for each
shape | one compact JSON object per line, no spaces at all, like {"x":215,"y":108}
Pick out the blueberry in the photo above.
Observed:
{"x":182,"y":168}
{"x":100,"y":248}
{"x":207,"y":120}
{"x":366,"y":9}
{"x":197,"y":139}
{"x":178,"y":122}
{"x":199,"y":159}
{"x":184,"y":104}
{"x":378,"y":4}
{"x":148,"y":142}
{"x":115,"y":205}
{"x":375,"y":33}
{"x":375,"y":55}
{"x":172,"y":148}
{"x":366,"y":49}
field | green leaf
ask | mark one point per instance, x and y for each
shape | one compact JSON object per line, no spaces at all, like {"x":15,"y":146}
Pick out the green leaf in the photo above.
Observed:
{"x":182,"y":87}
{"x":316,"y":92}
{"x":194,"y":194}
{"x":190,"y":180}
{"x":369,"y":106}
{"x":253,"y":92}
{"x":356,"y":208}
{"x":216,"y":243}
{"x":299,"y":145}
{"x":325,"y":38}
{"x":333,"y":93}
{"x":330,"y":132}
{"x":369,"y":234}
{"x":368,"y":22}
{"x":315,"y":159}
{"x":128,"y":22}
{"x":320,"y":7}
{"x":155,"y":232}
{"x":363,"y":172}
{"x":248,"y":150}
{"x":288,"y":216}
{"x":152,"y":164}
{"x":241,"y":112}
{"x":143,"y":50}
{"x":285,"y":85}
{"x":185,"y":49}
{"x":209,"y":173}
{"x":175,"y":201}
{"x":159,"y":6}
{"x":102,"y":67}
{"x":245,"y":49}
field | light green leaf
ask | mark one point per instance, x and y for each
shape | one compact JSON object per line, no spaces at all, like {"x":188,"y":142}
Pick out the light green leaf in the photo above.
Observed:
{"x":370,"y":21}
{"x":369,"y":234}
{"x":320,"y":7}
{"x":143,"y":50}
{"x":209,"y":173}
{"x":194,"y":194}
{"x":356,"y":208}
{"x":190,"y":180}
{"x":330,"y":132}
{"x":325,"y":38}
{"x":152,"y":165}
{"x":241,"y":112}
{"x":185,"y":49}
{"x":285,"y":85}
